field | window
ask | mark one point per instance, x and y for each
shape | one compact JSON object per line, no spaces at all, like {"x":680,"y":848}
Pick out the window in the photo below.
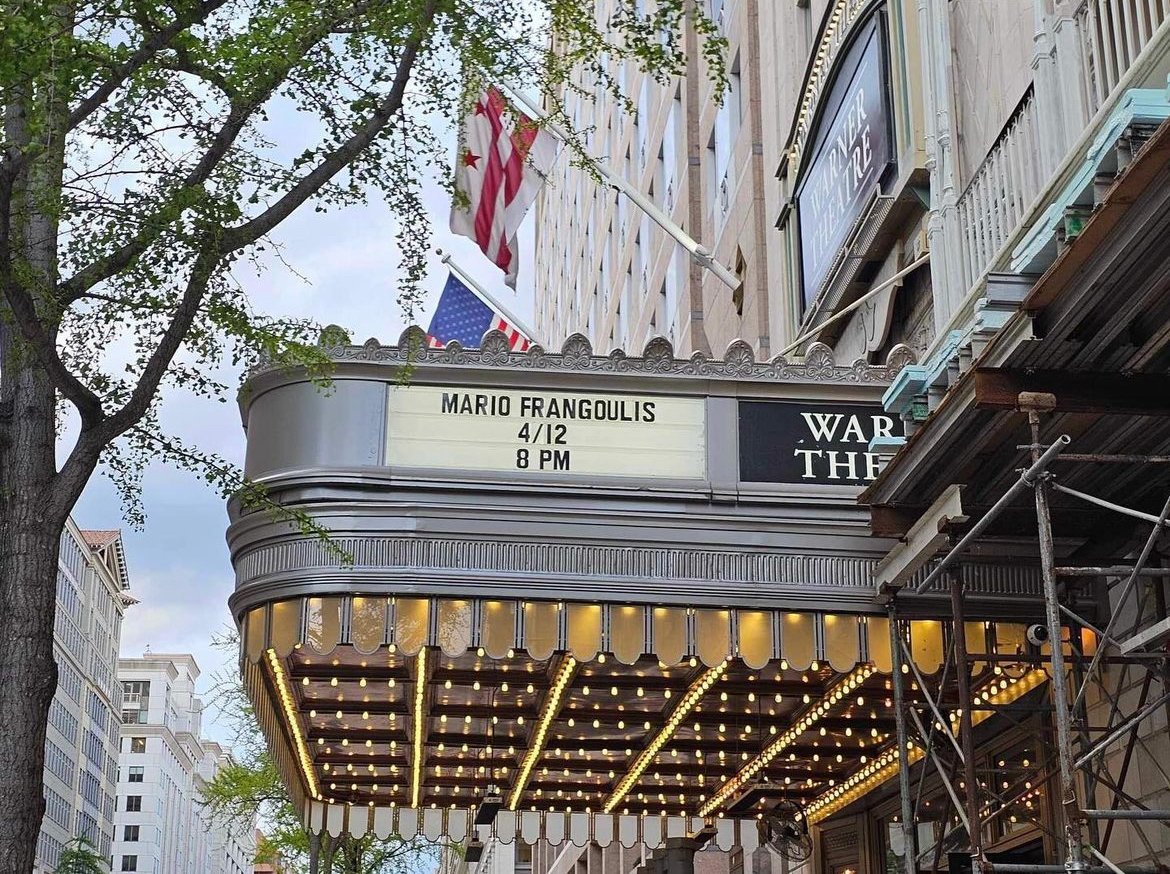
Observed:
{"x":720,"y":145}
{"x":129,"y":863}
{"x":130,"y":832}
{"x":137,"y":744}
{"x":57,"y":808}
{"x":135,"y":774}
{"x":133,"y":804}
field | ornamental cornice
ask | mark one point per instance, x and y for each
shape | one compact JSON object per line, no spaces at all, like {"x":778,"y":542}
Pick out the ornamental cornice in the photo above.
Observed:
{"x":819,"y":364}
{"x":622,"y":574}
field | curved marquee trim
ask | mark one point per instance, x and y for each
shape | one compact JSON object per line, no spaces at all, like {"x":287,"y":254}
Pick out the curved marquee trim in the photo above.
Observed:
{"x":657,"y":359}
{"x":530,"y":827}
{"x":542,"y":628}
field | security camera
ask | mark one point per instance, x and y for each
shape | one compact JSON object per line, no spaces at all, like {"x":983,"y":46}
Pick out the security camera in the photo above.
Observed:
{"x":1037,"y":634}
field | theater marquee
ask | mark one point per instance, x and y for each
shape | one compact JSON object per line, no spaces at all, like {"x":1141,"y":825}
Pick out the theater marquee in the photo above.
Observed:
{"x":530,"y":431}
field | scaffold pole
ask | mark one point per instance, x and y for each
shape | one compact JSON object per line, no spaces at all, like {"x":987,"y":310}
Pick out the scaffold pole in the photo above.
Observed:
{"x":966,"y":726}
{"x":1070,"y":807}
{"x":906,"y":812}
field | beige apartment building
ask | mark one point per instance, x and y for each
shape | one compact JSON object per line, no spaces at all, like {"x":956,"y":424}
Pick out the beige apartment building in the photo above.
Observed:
{"x":603,"y":268}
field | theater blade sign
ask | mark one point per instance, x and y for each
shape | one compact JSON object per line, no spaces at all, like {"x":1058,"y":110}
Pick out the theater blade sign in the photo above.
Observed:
{"x":546,"y":432}
{"x":825,"y":444}
{"x":850,"y":152}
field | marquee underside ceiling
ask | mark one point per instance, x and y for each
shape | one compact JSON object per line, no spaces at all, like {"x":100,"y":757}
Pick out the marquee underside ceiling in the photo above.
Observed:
{"x":386,"y":704}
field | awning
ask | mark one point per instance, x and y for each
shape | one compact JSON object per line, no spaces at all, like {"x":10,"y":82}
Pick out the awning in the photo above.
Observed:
{"x":592,"y":722}
{"x":553,"y":827}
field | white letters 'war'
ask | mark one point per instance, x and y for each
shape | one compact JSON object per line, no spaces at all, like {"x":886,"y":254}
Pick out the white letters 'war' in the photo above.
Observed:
{"x":833,"y":464}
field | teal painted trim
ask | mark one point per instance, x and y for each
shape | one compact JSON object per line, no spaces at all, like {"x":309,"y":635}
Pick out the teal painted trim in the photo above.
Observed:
{"x":914,"y":380}
{"x":1138,"y":105}
{"x":886,"y":445}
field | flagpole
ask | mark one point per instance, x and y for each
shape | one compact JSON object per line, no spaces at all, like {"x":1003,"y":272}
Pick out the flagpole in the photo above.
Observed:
{"x":697,"y":250}
{"x":471,"y":283}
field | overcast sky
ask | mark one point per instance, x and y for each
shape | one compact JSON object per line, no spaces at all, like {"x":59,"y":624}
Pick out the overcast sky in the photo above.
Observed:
{"x":343,"y":271}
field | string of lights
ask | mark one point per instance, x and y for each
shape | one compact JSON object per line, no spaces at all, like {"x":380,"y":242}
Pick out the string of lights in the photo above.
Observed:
{"x":999,"y":691}
{"x":552,"y":706}
{"x":418,"y":727}
{"x":686,"y":704}
{"x":803,"y":722}
{"x":284,"y":690}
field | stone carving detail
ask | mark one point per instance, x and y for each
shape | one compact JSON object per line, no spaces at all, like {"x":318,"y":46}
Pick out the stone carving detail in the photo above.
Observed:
{"x":900,"y":356}
{"x":739,"y":358}
{"x":576,"y":349}
{"x":739,"y":361}
{"x":494,"y":348}
{"x":658,"y":352}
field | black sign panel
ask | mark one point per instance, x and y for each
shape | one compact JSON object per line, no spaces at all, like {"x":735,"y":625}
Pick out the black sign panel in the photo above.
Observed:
{"x":848,"y":155}
{"x":825,"y":444}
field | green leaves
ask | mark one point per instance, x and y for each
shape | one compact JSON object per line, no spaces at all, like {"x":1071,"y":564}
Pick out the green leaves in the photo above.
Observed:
{"x":80,"y":857}
{"x":251,"y":784}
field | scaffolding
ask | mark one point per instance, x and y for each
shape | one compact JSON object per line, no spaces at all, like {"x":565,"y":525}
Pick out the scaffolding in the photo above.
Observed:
{"x":934,"y":715}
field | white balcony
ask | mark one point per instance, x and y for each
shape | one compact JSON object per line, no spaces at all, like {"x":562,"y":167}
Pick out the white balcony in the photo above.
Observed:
{"x":1100,"y":52}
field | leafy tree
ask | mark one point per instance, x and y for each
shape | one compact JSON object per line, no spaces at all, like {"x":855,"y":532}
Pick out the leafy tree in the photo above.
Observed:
{"x":251,"y":785}
{"x":149,"y":150}
{"x":80,"y":857}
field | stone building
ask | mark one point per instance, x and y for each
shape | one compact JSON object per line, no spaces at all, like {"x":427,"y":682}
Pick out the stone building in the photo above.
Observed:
{"x":82,"y":735}
{"x":161,"y":826}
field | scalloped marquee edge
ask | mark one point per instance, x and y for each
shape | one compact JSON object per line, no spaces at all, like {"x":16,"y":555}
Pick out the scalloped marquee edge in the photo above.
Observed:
{"x":738,"y":361}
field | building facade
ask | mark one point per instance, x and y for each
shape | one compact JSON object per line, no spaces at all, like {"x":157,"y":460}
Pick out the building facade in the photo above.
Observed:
{"x":82,"y":735}
{"x":893,"y":601}
{"x":161,"y":826}
{"x":963,"y":115}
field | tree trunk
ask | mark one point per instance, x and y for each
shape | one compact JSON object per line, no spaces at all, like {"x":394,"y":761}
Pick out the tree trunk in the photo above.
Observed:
{"x":314,"y":853}
{"x":30,"y":533}
{"x":328,"y":846}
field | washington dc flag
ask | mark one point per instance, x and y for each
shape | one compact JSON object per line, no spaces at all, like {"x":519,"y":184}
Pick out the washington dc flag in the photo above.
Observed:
{"x":502,"y":161}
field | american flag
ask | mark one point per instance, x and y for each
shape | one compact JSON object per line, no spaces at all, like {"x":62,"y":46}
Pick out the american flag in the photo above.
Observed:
{"x":461,"y":315}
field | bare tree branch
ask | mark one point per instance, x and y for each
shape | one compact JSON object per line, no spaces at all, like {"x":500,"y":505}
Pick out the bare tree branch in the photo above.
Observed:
{"x":242,"y":235}
{"x":237,"y":119}
{"x":151,"y":46}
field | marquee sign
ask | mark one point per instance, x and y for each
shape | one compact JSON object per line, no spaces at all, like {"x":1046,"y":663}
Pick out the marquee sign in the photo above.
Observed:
{"x":851,"y":150}
{"x":825,"y":444}
{"x":546,"y":432}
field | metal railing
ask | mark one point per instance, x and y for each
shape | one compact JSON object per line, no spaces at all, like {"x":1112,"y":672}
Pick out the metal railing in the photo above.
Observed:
{"x":998,"y":196}
{"x":1113,"y":34}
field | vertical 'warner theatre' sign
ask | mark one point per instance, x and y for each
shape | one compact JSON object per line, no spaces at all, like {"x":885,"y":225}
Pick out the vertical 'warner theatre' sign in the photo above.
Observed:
{"x":850,"y":151}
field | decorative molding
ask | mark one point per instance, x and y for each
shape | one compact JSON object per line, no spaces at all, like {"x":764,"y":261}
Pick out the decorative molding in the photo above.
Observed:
{"x":573,"y":561}
{"x":584,"y":567}
{"x":657,"y":359}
